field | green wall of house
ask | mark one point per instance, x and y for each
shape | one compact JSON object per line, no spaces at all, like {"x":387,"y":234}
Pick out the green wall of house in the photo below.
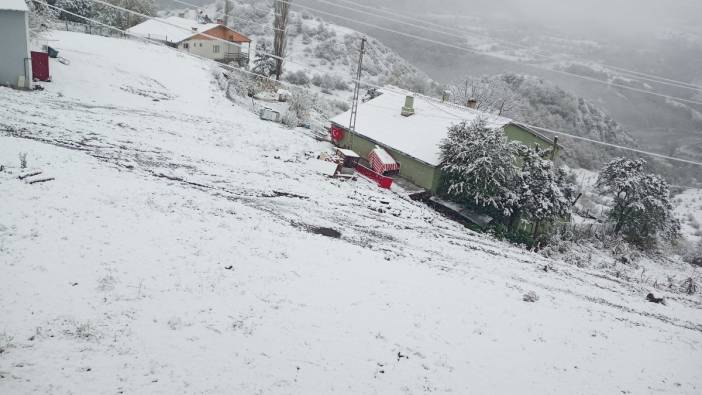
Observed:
{"x":515,"y":132}
{"x":418,"y":172}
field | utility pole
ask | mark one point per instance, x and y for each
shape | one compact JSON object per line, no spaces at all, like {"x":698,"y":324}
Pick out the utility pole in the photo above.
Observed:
{"x":280,"y":24}
{"x":356,"y":91}
{"x":227,"y":10}
{"x":554,"y":149}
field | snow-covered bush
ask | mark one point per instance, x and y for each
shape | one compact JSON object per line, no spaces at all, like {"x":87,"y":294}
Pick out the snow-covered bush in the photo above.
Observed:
{"x":692,"y":254}
{"x":246,"y":85}
{"x":79,"y":7}
{"x":320,"y":32}
{"x":263,"y":63}
{"x":341,"y":106}
{"x":690,"y":286}
{"x":531,"y":297}
{"x":329,"y":82}
{"x":641,"y":208}
{"x":299,"y":106}
{"x":622,"y":251}
{"x":298,"y":78}
{"x":329,"y":50}
{"x":478,"y":166}
{"x":543,"y":193}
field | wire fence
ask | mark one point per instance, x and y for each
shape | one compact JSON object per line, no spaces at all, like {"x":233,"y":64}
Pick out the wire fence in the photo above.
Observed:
{"x":87,"y":28}
{"x":585,"y":230}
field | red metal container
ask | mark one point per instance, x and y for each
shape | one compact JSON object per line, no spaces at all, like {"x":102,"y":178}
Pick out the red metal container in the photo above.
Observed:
{"x":383,"y":182}
{"x":40,"y":66}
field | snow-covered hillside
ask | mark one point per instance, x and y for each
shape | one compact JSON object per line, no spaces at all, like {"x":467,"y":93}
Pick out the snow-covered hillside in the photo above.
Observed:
{"x":320,"y":55}
{"x":180,"y":248}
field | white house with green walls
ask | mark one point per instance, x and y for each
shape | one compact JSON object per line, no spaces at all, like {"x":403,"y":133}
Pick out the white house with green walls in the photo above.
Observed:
{"x":411,"y":129}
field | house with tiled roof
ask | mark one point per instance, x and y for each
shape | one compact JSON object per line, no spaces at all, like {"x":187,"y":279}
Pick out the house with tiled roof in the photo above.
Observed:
{"x":210,"y":40}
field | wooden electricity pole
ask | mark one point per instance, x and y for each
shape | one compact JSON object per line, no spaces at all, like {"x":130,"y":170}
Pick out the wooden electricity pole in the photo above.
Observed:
{"x":227,"y":10}
{"x":554,"y":150}
{"x":280,"y":24}
{"x":357,"y":90}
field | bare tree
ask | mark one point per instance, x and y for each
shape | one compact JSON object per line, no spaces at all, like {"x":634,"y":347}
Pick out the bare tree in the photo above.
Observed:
{"x":490,"y":95}
{"x":280,"y":23}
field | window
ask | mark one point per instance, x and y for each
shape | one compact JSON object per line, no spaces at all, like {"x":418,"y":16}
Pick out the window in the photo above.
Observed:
{"x":215,"y":48}
{"x":185,"y":46}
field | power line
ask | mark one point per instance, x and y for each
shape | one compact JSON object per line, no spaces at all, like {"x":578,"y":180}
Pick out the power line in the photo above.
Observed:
{"x":463,"y":33}
{"x":476,"y":52}
{"x":659,"y":80}
{"x":386,"y":89}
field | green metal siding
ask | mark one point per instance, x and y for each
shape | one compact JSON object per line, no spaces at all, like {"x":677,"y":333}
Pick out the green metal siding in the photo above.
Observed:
{"x":419,"y":173}
{"x":516,"y":133}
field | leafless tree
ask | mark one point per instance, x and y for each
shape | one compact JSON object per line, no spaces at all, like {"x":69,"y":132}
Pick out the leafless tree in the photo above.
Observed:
{"x":490,"y":95}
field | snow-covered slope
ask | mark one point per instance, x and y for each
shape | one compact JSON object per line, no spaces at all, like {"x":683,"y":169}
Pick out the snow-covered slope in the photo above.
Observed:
{"x":177,"y":250}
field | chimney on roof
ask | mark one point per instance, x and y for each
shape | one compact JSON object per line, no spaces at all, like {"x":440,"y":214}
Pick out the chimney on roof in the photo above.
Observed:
{"x":408,"y":108}
{"x":194,"y":28}
{"x":472,"y":103}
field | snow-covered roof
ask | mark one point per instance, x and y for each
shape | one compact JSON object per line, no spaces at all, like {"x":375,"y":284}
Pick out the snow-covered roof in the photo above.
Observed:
{"x":383,"y":155}
{"x":348,"y":152}
{"x":418,"y":135}
{"x":172,"y":29}
{"x":13,"y":5}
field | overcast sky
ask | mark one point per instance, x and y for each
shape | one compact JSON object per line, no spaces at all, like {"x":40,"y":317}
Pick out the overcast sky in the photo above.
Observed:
{"x":622,"y":17}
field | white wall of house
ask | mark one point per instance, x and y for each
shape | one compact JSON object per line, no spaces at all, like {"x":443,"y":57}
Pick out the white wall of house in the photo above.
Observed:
{"x":211,"y":49}
{"x":14,"y":49}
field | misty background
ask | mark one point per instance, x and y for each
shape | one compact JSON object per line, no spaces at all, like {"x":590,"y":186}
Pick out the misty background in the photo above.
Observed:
{"x":653,"y":37}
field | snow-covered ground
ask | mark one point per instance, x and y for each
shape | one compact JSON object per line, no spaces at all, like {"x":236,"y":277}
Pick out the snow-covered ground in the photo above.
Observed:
{"x":177,"y":250}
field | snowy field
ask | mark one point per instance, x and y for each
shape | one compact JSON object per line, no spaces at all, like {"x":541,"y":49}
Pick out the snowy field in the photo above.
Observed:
{"x":176,"y":250}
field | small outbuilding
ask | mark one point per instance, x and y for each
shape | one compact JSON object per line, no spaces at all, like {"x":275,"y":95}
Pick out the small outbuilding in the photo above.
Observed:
{"x":15,"y":61}
{"x":382,"y":163}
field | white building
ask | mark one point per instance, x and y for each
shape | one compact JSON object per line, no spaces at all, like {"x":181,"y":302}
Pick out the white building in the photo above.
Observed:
{"x":194,"y":37}
{"x":15,"y":60}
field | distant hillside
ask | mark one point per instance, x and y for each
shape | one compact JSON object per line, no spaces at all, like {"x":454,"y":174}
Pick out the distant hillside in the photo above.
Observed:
{"x":537,"y":102}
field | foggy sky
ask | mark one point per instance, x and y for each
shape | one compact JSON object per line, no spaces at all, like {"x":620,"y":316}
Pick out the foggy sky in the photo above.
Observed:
{"x":619,"y":17}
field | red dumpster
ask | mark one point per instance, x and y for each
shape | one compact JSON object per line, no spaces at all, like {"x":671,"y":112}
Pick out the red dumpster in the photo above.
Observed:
{"x":40,"y":66}
{"x":383,"y":182}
